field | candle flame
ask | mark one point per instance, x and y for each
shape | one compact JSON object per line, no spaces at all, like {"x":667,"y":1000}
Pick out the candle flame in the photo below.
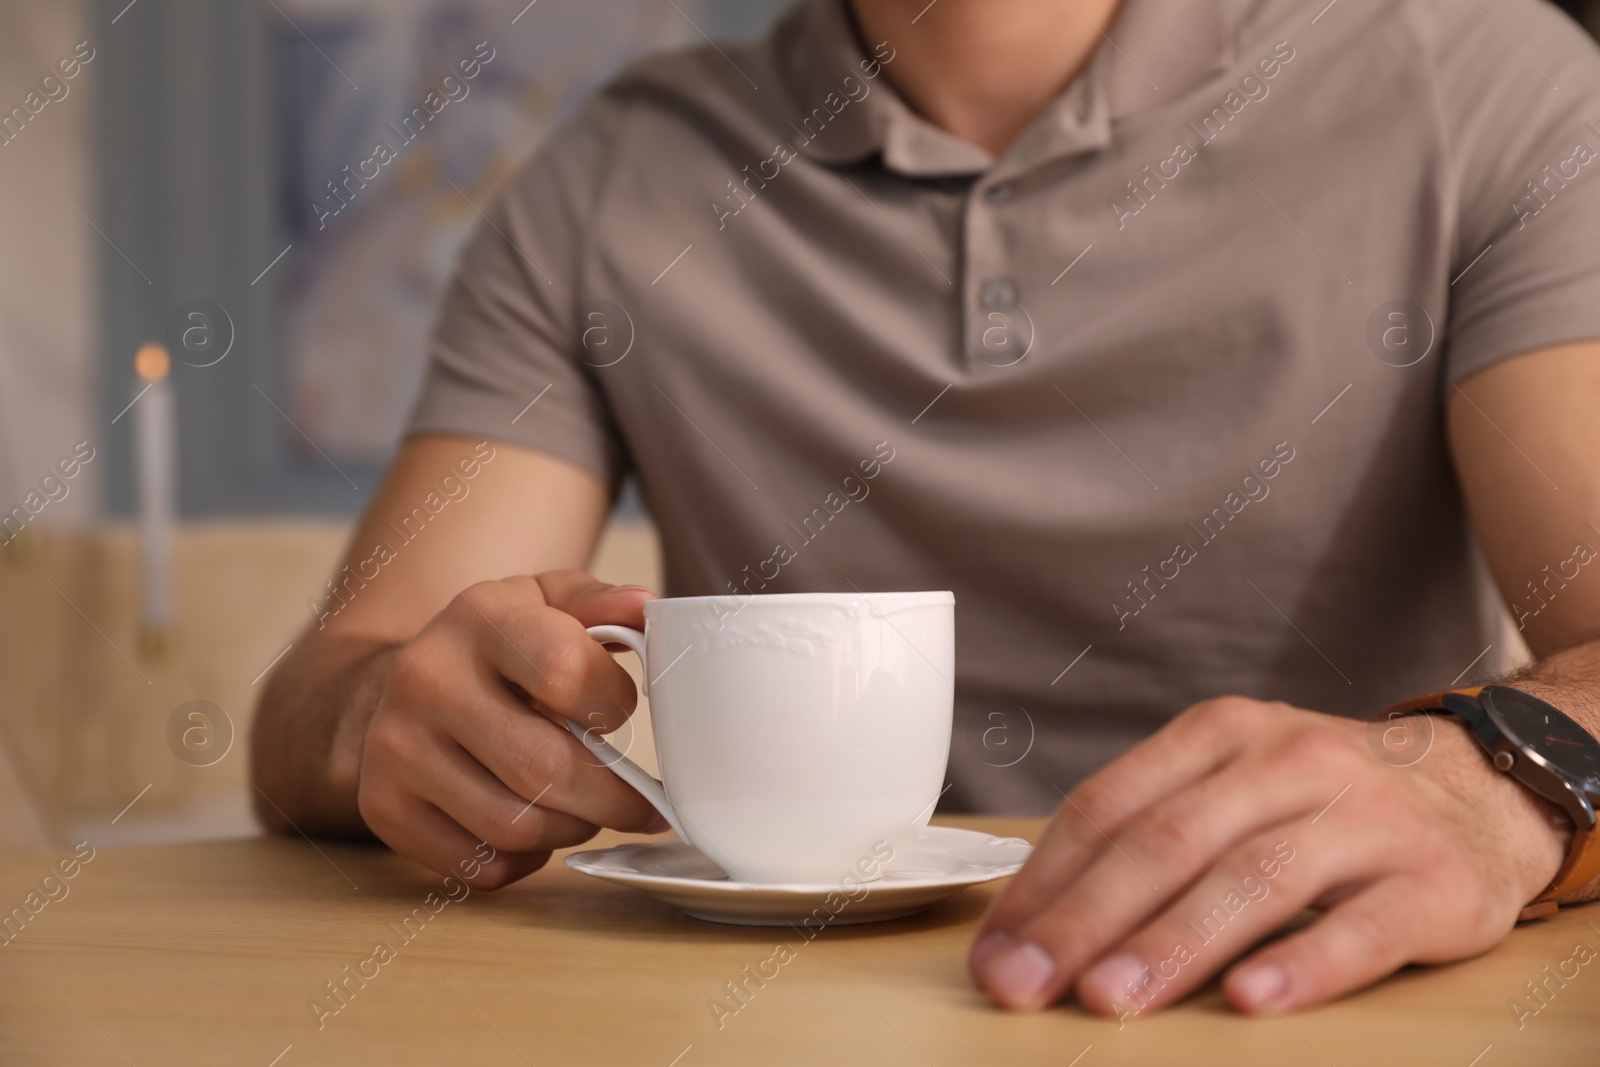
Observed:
{"x":152,"y":362}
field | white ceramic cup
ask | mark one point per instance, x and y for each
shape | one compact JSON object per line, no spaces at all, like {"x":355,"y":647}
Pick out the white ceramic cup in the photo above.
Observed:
{"x":797,"y":733}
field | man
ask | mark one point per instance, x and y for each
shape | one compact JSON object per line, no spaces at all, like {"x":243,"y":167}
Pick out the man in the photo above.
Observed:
{"x":1198,"y":346}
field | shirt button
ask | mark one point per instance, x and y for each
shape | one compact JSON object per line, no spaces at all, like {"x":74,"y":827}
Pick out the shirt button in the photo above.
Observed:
{"x":999,"y":293}
{"x":1002,"y":193}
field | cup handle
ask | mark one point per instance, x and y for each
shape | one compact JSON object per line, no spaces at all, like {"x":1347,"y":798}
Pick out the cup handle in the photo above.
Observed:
{"x":634,"y":639}
{"x":616,"y":762}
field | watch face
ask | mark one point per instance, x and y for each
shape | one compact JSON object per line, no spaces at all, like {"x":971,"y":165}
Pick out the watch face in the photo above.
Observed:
{"x":1536,"y":726}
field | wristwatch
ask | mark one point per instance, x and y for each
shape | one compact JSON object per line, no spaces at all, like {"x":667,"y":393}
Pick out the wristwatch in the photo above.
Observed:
{"x":1546,"y":752}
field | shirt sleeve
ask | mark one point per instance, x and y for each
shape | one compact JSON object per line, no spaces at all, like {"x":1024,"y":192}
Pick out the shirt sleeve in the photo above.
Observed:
{"x":1519,"y":95}
{"x":504,"y":360}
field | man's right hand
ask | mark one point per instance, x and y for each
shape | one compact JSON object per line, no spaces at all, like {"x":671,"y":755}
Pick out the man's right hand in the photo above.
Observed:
{"x":466,"y":744}
{"x":423,"y":702}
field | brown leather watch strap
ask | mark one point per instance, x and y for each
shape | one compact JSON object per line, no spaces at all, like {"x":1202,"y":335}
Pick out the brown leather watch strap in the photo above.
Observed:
{"x":1581,"y":867}
{"x":1427,"y":702}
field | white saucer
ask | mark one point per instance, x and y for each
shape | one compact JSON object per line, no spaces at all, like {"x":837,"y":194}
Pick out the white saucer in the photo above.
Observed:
{"x":939,"y":864}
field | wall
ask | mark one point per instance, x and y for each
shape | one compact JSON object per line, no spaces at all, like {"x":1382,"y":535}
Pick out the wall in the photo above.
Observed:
{"x":48,"y":311}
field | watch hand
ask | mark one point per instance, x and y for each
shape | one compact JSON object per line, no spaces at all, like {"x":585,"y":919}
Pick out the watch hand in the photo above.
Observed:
{"x":1563,"y":741}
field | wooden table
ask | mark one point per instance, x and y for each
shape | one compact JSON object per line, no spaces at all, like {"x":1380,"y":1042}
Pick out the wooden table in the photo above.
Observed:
{"x":211,"y":954}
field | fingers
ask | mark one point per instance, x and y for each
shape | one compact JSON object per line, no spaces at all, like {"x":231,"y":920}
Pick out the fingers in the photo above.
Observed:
{"x":1259,"y":887}
{"x":454,"y":755}
{"x":1157,"y":854}
{"x":1366,"y":938}
{"x":593,"y":602}
{"x":505,"y":627}
{"x":1198,"y":743}
{"x":531,"y":758}
{"x":464,"y":789}
{"x":539,"y":760}
{"x":414,"y":827}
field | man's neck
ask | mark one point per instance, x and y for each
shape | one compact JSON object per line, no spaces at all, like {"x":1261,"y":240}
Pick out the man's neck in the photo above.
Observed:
{"x":984,"y":69}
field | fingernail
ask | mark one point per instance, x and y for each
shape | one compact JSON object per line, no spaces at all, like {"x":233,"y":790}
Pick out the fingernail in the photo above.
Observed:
{"x":658,"y":824}
{"x":1112,"y":978}
{"x":987,"y":946}
{"x":1019,"y":978}
{"x":1258,"y":986}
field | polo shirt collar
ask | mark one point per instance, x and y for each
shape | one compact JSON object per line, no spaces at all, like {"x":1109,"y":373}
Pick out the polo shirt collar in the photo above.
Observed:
{"x":1153,"y":53}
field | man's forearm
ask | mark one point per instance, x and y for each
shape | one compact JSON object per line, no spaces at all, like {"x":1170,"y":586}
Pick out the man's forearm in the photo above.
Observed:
{"x":308,"y":732}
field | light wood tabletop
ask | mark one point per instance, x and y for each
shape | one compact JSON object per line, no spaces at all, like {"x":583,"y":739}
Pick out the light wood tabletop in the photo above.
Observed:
{"x":212,"y":953}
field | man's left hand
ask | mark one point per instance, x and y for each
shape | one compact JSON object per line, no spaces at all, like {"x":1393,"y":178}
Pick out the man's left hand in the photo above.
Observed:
{"x":1184,"y":854}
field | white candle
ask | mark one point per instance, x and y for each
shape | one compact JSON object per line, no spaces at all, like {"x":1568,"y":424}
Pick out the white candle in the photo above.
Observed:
{"x":155,"y":448}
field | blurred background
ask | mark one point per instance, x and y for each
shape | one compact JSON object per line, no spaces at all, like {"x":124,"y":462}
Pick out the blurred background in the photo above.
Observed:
{"x":190,"y":173}
{"x":199,"y":175}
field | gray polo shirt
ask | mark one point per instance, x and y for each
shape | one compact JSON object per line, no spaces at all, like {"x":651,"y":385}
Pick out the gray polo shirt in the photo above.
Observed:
{"x":1158,"y":393}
